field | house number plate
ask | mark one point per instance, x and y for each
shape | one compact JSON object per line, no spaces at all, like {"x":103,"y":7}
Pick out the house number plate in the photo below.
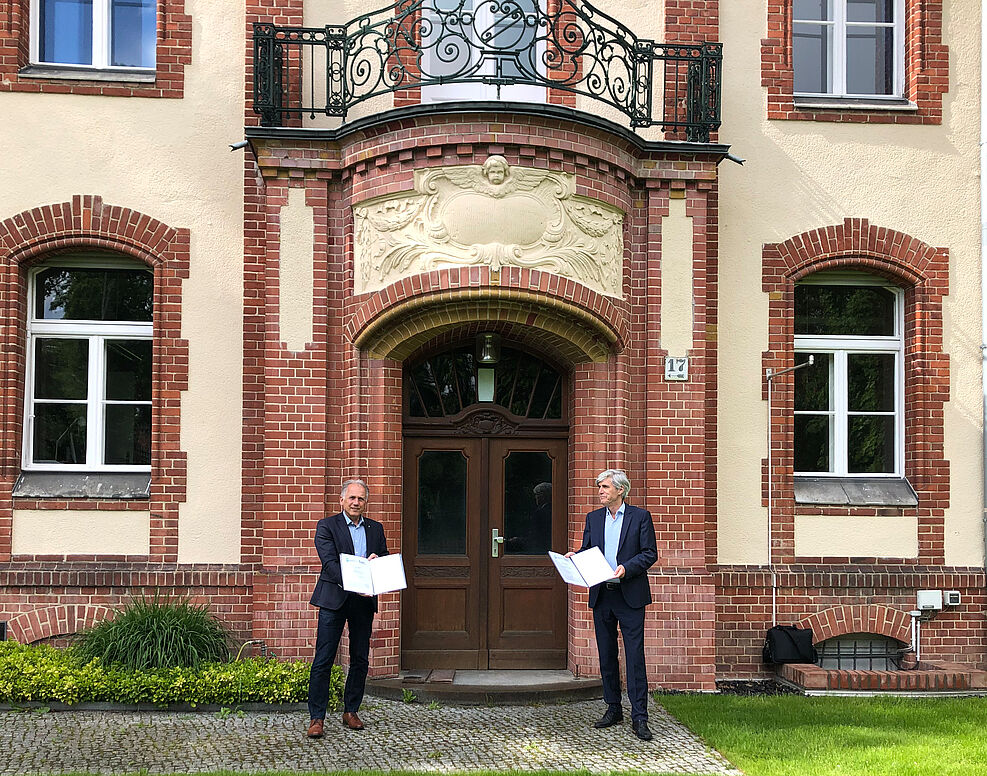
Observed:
{"x":676,"y":368}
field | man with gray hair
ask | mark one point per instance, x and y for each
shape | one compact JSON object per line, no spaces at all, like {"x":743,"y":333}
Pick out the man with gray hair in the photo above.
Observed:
{"x":626,"y":536}
{"x":351,"y":533}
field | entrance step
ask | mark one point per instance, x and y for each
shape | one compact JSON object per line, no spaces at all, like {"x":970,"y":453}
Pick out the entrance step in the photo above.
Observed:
{"x":501,"y":688}
{"x":925,"y":679}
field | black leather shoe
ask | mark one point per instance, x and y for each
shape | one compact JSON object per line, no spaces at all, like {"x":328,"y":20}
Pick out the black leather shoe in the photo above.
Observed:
{"x":641,"y":729}
{"x":612,"y":717}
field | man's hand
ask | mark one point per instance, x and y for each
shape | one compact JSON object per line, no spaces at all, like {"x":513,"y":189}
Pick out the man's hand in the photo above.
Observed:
{"x":371,"y":556}
{"x":568,"y":554}
{"x":619,"y":572}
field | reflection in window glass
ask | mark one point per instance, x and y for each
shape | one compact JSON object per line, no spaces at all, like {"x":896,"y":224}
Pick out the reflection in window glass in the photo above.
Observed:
{"x":133,"y":24}
{"x":863,"y":311}
{"x":61,"y":368}
{"x":128,"y":434}
{"x":60,"y":433}
{"x":527,"y":503}
{"x":442,"y":503}
{"x":64,"y":293}
{"x":66,"y":32}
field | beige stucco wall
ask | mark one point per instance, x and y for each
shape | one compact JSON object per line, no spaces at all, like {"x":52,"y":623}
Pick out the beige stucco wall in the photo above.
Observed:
{"x":920,"y":180}
{"x":296,"y":281}
{"x":677,"y":241}
{"x":80,"y":532}
{"x":169,"y":159}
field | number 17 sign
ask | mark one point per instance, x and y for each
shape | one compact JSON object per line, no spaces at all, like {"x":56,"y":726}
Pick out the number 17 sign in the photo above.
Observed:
{"x":676,"y":368}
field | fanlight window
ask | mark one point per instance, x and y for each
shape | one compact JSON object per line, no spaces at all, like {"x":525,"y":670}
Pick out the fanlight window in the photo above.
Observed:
{"x":446,"y":384}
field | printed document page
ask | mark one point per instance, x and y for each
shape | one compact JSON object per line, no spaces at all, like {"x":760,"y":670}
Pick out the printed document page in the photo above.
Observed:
{"x":372,"y":577}
{"x":586,"y":568}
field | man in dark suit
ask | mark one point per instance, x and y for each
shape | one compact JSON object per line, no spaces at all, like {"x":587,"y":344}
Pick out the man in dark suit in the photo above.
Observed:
{"x":626,"y":536}
{"x":351,"y":533}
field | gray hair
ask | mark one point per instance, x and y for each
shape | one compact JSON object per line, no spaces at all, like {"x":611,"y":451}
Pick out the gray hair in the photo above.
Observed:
{"x":543,"y":489}
{"x":619,"y":478}
{"x":361,"y":483}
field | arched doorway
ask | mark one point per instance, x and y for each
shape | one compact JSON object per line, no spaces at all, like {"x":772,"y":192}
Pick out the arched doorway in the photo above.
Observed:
{"x":485,"y":499}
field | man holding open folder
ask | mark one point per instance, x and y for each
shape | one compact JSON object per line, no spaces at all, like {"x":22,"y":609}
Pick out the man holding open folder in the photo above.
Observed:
{"x":626,"y":536}
{"x":351,"y":533}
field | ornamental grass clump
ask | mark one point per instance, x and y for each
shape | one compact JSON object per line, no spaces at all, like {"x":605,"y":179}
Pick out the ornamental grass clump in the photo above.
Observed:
{"x":156,"y":633}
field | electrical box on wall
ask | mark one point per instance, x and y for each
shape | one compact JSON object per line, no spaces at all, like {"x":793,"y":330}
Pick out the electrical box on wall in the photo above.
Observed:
{"x":929,"y":599}
{"x":951,"y":597}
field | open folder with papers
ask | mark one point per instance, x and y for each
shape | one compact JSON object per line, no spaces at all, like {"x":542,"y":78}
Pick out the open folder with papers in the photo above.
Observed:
{"x":586,"y":568}
{"x":372,"y":577}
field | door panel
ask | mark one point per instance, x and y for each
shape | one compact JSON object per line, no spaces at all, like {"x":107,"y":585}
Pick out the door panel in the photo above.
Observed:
{"x":441,"y":623}
{"x":526,"y":620}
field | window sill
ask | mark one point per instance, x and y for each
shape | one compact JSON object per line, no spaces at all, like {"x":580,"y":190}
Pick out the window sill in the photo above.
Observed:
{"x":69,"y":73}
{"x":101,"y":485}
{"x":854,"y":103}
{"x":855,"y":491}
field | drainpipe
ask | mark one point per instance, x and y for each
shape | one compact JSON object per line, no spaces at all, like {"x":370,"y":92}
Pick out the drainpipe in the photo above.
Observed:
{"x":983,"y":257}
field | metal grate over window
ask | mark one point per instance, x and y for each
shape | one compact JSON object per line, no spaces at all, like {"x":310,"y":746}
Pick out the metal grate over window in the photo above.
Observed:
{"x":861,"y":652}
{"x":445,"y":384}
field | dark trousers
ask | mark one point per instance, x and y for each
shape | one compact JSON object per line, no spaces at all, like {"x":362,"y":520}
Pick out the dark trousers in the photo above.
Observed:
{"x":358,"y":613}
{"x":610,"y":611}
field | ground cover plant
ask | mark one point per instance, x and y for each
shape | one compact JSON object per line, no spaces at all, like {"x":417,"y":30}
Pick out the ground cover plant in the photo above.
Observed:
{"x":45,"y":674}
{"x":829,"y":736}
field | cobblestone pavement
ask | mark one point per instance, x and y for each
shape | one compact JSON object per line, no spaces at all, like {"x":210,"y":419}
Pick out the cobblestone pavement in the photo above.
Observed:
{"x":399,"y":736}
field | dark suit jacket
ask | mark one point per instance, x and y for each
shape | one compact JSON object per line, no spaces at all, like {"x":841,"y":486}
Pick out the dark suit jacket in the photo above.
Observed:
{"x":637,"y":552}
{"x":332,"y":537}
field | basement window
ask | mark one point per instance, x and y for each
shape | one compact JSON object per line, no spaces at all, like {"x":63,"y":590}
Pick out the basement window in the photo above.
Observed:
{"x":861,"y":652}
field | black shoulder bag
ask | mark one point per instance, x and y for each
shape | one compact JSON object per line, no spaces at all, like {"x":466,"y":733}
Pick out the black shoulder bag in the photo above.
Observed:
{"x":789,"y":644}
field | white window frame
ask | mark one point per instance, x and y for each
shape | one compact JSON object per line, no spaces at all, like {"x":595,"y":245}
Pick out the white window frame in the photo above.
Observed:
{"x":480,"y":91}
{"x":101,"y":42}
{"x":840,"y":347}
{"x":96,"y":333}
{"x":837,"y":75}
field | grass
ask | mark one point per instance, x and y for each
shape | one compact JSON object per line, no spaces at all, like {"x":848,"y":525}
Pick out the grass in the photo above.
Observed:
{"x":789,"y":735}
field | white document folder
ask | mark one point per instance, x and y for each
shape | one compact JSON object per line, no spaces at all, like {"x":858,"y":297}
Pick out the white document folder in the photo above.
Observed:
{"x":585,"y":569}
{"x":372,"y":577}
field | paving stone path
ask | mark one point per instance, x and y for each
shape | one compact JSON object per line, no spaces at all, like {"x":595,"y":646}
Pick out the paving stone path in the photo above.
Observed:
{"x":399,"y":736}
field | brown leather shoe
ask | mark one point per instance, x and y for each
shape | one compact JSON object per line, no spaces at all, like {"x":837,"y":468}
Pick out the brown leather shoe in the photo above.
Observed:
{"x":316,"y":728}
{"x":352,"y":721}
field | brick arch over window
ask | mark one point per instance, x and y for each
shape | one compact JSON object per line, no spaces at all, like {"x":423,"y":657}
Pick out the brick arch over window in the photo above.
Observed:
{"x":86,"y":223}
{"x":578,"y":323}
{"x":923,"y":272}
{"x":29,"y":627}
{"x":863,"y":618}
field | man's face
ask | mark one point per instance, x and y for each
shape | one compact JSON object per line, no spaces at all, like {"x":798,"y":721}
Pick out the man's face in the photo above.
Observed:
{"x":610,"y":495}
{"x":354,"y":501}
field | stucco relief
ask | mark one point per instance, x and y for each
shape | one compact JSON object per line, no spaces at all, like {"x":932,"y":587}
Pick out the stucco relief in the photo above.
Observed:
{"x":493,"y":215}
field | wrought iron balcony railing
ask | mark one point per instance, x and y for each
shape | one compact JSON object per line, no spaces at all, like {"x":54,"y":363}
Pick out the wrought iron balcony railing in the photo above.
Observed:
{"x":503,"y":44}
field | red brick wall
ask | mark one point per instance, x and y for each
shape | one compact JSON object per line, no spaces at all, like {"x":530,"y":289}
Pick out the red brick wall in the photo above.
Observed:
{"x":174,"y":51}
{"x":926,"y":69}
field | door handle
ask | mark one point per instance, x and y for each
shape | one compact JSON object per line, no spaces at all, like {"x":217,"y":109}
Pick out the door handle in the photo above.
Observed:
{"x":495,"y":541}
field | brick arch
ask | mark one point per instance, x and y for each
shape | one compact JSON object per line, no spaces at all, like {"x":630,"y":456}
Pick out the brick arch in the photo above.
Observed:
{"x":576,"y":322}
{"x":860,"y":618}
{"x":29,"y":627}
{"x":86,"y":223}
{"x":854,"y":244}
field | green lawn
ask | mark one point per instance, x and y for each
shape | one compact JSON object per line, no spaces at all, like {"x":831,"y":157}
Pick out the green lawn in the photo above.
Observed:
{"x":792,"y":735}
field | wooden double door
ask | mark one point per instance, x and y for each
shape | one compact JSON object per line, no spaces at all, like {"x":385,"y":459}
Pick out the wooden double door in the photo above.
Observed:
{"x":480,"y":516}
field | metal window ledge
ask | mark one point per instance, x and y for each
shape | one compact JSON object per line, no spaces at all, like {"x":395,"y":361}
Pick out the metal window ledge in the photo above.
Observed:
{"x":88,"y":74}
{"x":109,"y":485}
{"x":855,"y":491}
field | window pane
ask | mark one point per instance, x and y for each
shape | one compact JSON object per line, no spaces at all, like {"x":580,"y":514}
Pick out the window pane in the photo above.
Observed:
{"x":425,"y":383}
{"x":527,"y":503}
{"x":813,"y":442}
{"x":445,"y":378}
{"x":870,"y":444}
{"x":870,"y":382}
{"x":817,"y":10}
{"x":61,"y":368}
{"x":844,"y":310}
{"x":466,"y":373}
{"x":442,"y":503}
{"x":812,"y":50}
{"x":128,"y":434}
{"x":544,"y":391}
{"x":59,"y":433}
{"x":94,"y":294}
{"x":133,"y":33}
{"x":527,"y":376}
{"x":511,"y":31}
{"x":870,"y":60}
{"x":812,"y":383}
{"x":446,"y":35}
{"x":66,"y":32}
{"x":128,"y":370}
{"x":870,"y":10}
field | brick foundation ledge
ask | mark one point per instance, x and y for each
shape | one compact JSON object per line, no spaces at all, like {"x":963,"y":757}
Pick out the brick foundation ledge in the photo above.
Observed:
{"x":926,"y":677}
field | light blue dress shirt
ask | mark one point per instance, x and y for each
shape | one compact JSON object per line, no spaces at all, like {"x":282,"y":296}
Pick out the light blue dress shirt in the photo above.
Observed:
{"x":358,"y":533}
{"x":611,"y":535}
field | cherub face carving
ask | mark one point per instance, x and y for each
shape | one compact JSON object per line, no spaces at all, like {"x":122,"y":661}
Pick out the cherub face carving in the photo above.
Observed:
{"x":496,"y":170}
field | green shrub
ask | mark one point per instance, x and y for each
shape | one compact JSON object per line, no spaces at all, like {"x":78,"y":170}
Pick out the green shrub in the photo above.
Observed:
{"x":46,"y":674}
{"x":157,"y":633}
